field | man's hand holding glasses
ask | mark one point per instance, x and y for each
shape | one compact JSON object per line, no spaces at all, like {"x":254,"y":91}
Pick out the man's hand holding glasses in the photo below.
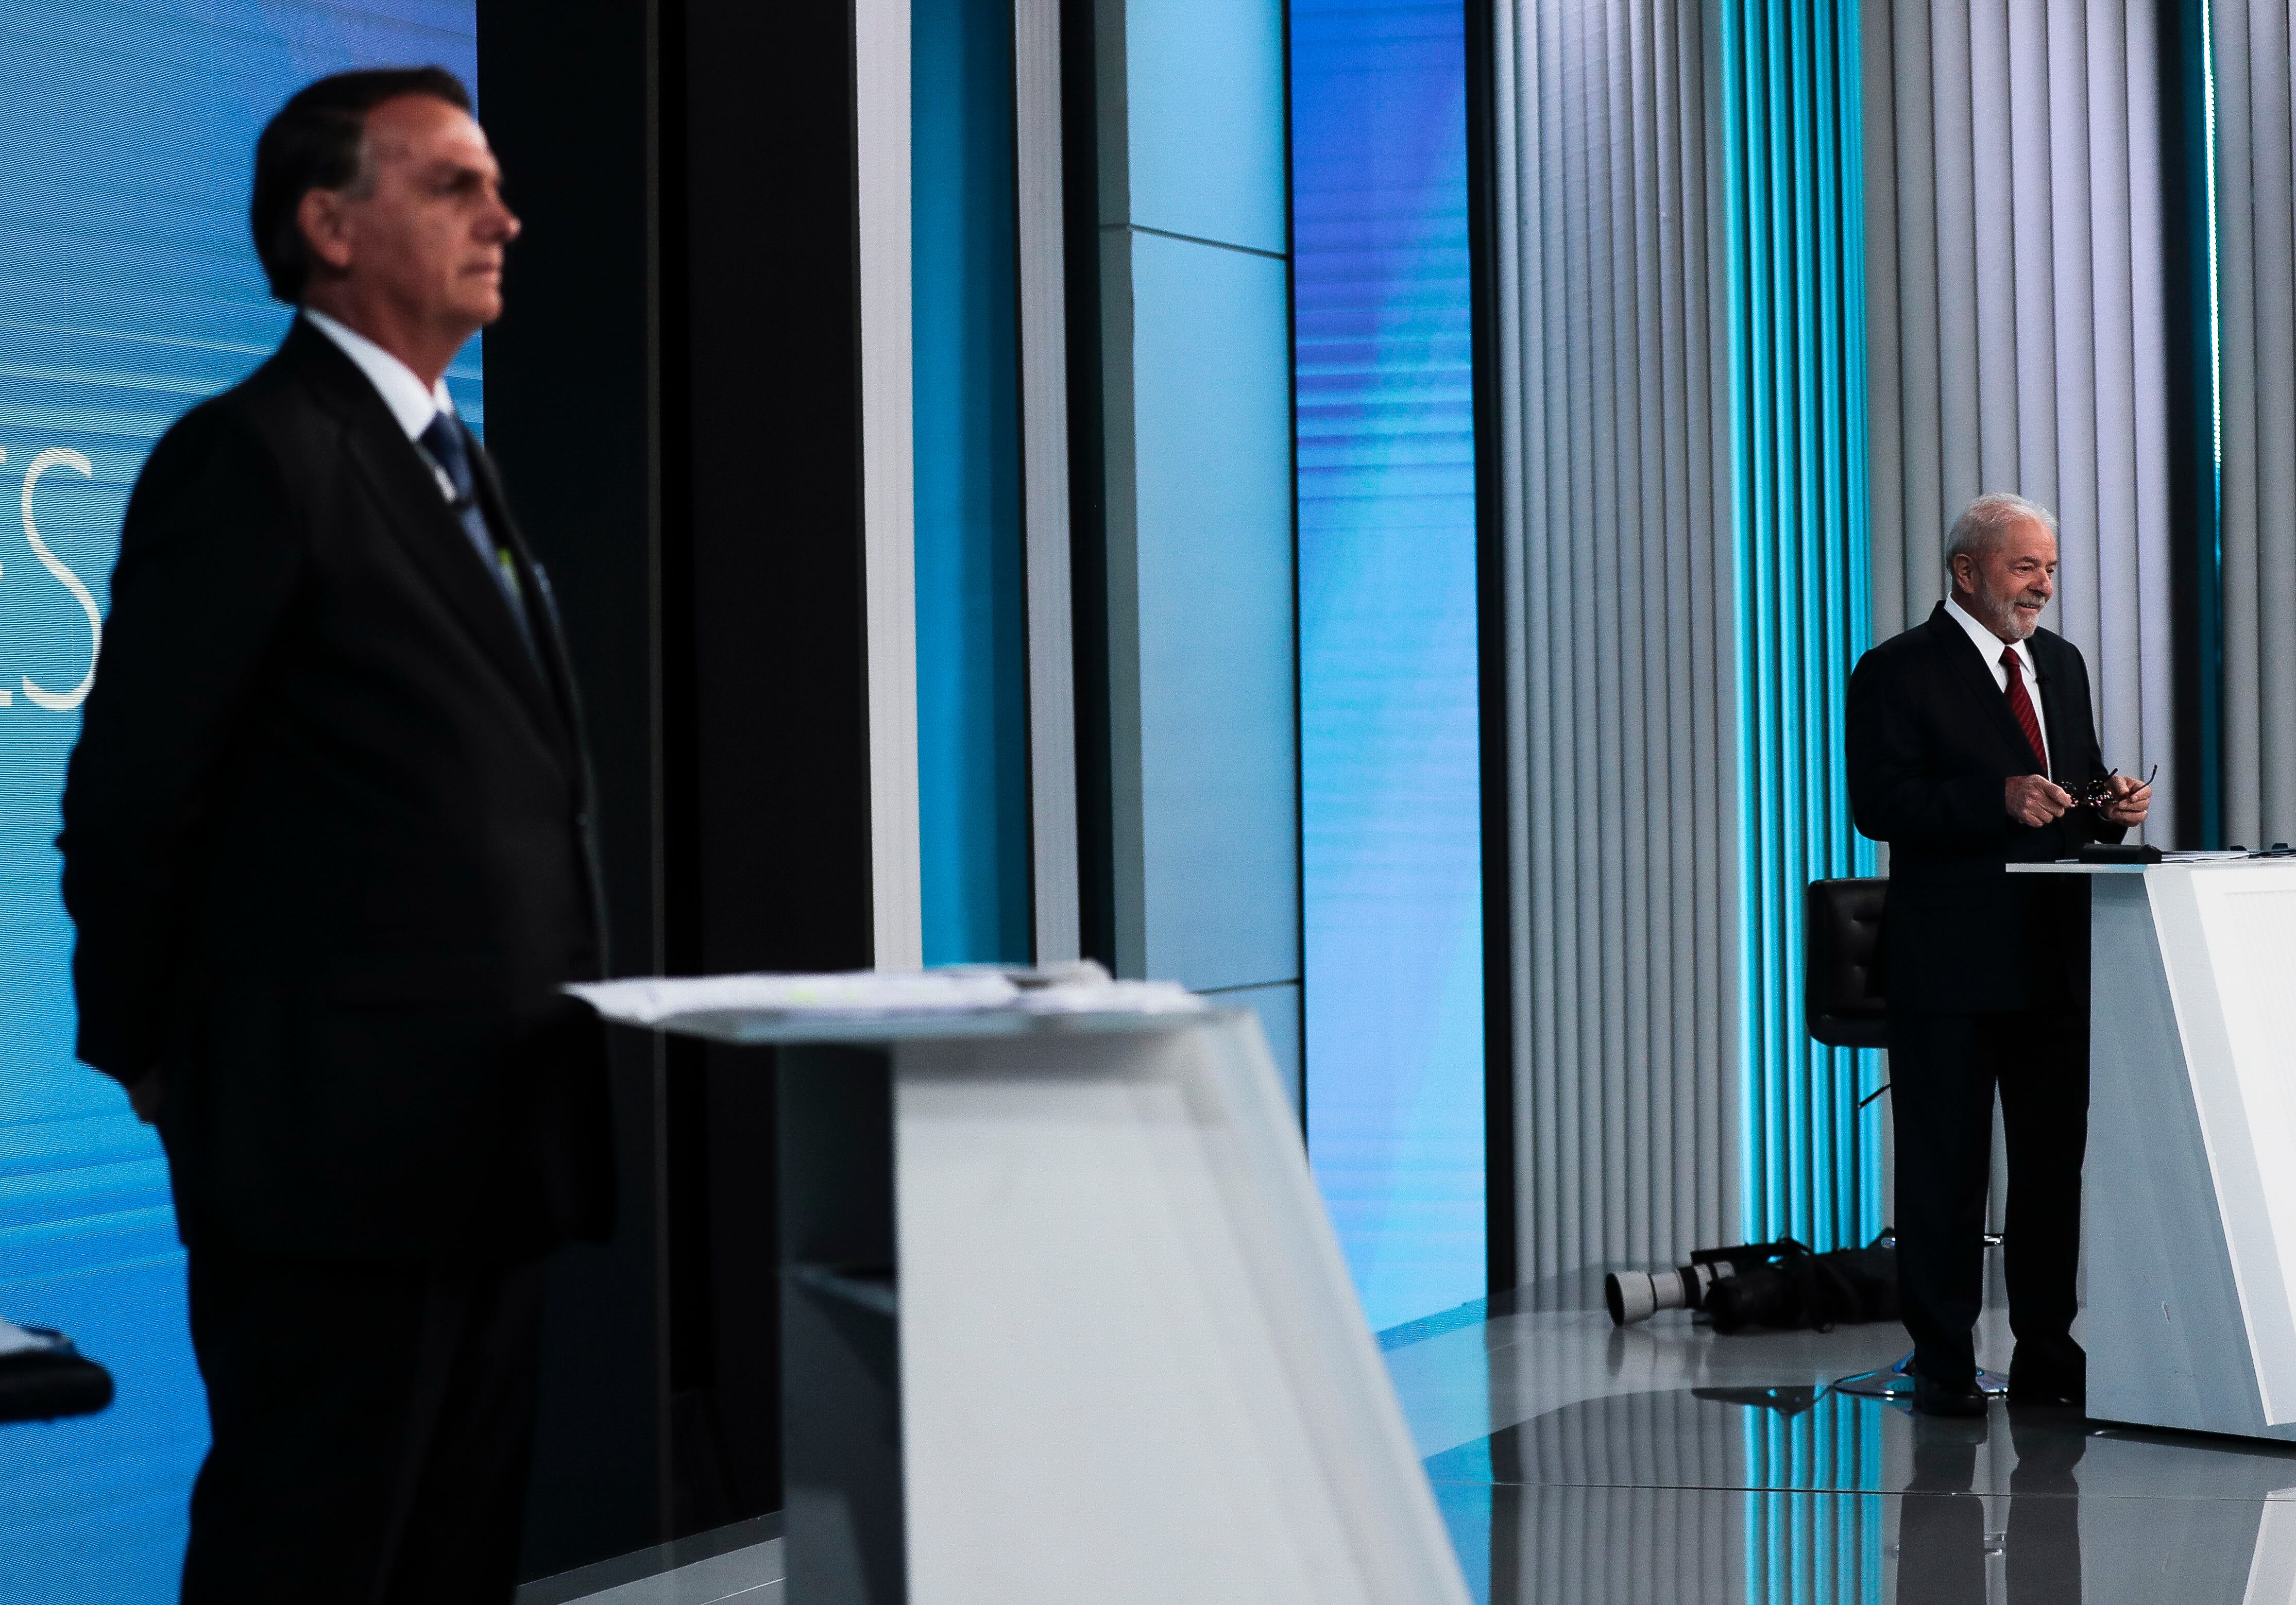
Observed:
{"x":2118,"y":799}
{"x":2115,"y":799}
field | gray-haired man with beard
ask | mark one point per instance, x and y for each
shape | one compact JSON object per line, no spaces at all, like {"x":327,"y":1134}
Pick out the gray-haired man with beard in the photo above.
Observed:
{"x":1970,"y":739}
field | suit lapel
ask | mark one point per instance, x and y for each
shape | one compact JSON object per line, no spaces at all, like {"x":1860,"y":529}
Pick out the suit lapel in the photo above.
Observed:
{"x":534,"y":586}
{"x":2065,"y":734}
{"x":419,"y":515}
{"x":550,"y":645}
{"x":1975,"y":676}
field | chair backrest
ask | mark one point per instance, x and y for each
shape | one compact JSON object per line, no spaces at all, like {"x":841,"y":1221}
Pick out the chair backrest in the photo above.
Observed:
{"x":1842,"y":988}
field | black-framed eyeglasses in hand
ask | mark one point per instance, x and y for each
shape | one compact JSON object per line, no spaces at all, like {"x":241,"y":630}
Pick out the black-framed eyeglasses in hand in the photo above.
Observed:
{"x":2098,"y":795}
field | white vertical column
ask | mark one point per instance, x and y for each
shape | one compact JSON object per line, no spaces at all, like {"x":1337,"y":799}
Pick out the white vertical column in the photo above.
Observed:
{"x":880,"y":102}
{"x":1044,"y":478}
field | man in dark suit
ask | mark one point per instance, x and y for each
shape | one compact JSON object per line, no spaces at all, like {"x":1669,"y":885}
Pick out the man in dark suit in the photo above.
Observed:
{"x":327,"y":841}
{"x":1971,"y":744}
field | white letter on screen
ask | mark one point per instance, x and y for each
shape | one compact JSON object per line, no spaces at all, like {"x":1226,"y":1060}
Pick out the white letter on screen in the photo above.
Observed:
{"x":65,"y":456}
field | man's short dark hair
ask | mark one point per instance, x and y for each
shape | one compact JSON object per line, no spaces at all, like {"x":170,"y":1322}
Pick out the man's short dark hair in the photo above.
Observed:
{"x":314,"y":143}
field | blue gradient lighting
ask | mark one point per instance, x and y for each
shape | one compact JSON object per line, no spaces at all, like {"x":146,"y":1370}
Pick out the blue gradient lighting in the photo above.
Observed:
{"x":1390,"y":739}
{"x":972,"y":758}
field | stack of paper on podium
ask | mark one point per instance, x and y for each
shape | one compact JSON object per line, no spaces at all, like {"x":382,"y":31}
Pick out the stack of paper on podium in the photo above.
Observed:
{"x":862,"y":1003}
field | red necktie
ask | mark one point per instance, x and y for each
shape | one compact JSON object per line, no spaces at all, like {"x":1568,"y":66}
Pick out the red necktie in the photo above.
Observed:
{"x":2021,"y":705}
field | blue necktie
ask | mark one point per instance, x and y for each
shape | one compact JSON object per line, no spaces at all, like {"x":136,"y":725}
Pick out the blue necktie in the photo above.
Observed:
{"x":442,"y":439}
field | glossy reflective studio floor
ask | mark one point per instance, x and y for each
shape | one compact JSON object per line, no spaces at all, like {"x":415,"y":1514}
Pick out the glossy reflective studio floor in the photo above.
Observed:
{"x":1578,"y":1465}
{"x":1664,"y":1463}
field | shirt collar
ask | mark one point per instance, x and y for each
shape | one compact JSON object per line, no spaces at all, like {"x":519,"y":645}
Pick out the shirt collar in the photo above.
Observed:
{"x":401,"y":391}
{"x":1986,"y":642}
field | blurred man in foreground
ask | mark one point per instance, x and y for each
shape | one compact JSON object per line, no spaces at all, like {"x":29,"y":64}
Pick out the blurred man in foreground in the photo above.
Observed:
{"x":1971,"y":746}
{"x":327,"y":842}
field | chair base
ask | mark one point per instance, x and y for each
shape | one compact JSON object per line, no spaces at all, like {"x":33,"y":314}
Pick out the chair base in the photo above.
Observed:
{"x":1896,"y":1383}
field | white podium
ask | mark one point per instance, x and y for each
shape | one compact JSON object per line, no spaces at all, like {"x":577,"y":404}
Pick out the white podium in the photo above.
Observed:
{"x":1063,"y":1320}
{"x":2188,"y":1225}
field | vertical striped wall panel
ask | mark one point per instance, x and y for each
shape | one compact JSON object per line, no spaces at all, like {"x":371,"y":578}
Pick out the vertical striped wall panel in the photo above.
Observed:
{"x":2256,"y":275}
{"x":1623,"y":797}
{"x":2016,"y":320}
{"x":1783,"y":286}
{"x":1795,"y":293}
{"x":1613,"y":1546}
{"x":1651,"y":1498}
{"x":1621,"y":1501}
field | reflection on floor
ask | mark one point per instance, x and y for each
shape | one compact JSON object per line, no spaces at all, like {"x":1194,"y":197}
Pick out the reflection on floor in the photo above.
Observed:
{"x":1664,"y":1465}
{"x":738,"y":1563}
{"x":1578,"y":1465}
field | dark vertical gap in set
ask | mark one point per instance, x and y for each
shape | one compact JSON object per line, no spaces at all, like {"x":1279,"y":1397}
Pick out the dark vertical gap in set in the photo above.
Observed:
{"x":564,"y":94}
{"x":657,"y":957}
{"x":690,"y":1355}
{"x":990,"y":74}
{"x":1299,"y":684}
{"x":1087,"y":482}
{"x":846,"y":1526}
{"x":772,"y":457}
{"x":1500,"y":1181}
{"x":763,"y":665}
{"x":774,"y":869}
{"x":2194,"y":567}
{"x":1511,"y":1498}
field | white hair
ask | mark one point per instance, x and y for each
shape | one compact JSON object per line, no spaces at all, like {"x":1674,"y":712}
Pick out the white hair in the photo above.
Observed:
{"x":1984,"y":523}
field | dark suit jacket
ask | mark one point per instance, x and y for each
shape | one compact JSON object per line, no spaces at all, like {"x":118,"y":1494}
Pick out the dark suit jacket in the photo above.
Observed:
{"x":327,"y":840}
{"x":1931,"y":743}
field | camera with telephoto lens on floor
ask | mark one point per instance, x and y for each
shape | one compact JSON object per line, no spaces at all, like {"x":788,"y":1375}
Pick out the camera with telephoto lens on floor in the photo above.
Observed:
{"x":1634,"y":1296}
{"x":1781,"y":1285}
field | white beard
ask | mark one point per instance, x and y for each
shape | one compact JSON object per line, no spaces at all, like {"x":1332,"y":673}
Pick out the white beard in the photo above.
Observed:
{"x":1999,"y":614}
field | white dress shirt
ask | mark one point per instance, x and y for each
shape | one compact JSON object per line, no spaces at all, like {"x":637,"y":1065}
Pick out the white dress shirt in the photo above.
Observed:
{"x":401,"y":391}
{"x":1988,"y":646}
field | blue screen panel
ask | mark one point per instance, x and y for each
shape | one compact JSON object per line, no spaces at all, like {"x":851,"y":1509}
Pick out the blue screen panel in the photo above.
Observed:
{"x":127,"y":292}
{"x":972,"y":754}
{"x":1390,"y":739}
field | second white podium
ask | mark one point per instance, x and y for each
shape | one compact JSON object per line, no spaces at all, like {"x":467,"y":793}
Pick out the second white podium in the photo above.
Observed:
{"x":2189,"y":1201}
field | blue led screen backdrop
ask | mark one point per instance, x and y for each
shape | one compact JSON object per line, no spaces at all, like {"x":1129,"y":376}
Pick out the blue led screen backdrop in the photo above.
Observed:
{"x":128,"y":293}
{"x":972,"y":700}
{"x":1390,"y":735}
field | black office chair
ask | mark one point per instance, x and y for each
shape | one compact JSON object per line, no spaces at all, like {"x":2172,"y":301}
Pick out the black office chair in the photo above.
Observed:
{"x":43,"y":1377}
{"x":1842,"y":963}
{"x":1847,"y":1006}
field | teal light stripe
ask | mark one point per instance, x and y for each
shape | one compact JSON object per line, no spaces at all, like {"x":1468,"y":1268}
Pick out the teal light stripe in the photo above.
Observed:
{"x":2208,"y":644}
{"x":1797,"y":685}
{"x":1771,"y":332}
{"x":1793,"y":215}
{"x":1812,"y":662}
